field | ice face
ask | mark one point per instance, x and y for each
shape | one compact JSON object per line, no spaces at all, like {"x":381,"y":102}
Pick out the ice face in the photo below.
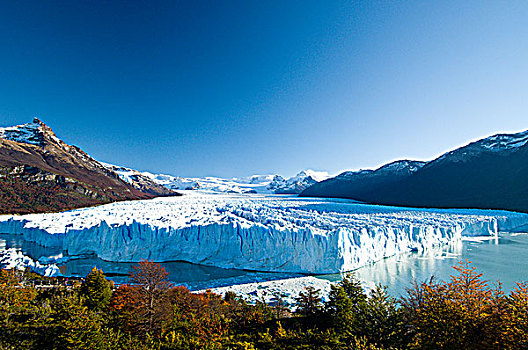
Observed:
{"x":265,"y":233}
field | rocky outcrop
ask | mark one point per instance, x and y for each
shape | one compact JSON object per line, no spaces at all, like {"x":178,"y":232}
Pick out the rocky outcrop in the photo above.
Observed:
{"x":39,"y":172}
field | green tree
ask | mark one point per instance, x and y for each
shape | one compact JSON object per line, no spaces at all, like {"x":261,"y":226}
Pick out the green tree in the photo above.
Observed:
{"x":383,"y":321}
{"x":309,"y":302}
{"x":96,"y":290}
{"x":346,"y":305}
{"x":74,"y":325}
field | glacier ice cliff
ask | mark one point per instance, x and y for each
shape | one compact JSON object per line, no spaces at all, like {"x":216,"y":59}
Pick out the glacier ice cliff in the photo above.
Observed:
{"x":265,"y":233}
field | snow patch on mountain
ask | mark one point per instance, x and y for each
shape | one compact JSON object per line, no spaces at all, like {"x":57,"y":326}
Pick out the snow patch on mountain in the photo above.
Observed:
{"x":399,"y":167}
{"x":264,"y":233}
{"x":29,"y":133}
{"x":500,"y":143}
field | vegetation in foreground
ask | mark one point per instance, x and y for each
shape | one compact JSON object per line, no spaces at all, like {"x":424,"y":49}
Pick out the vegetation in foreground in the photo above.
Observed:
{"x":150,"y":313}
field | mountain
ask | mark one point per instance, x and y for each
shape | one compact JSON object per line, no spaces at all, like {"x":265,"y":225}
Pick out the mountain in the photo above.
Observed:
{"x":139,"y":180}
{"x":297,"y":183}
{"x":491,"y":173}
{"x":360,"y":184}
{"x":39,"y":172}
{"x":261,"y":184}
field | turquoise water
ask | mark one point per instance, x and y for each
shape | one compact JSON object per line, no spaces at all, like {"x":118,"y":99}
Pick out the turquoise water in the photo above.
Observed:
{"x":504,"y":259}
{"x":193,"y":276}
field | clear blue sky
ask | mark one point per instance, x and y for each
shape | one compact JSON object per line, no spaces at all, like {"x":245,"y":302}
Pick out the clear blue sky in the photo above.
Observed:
{"x":233,"y":88}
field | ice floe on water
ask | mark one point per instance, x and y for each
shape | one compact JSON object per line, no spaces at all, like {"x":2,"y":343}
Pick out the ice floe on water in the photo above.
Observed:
{"x":286,"y":289}
{"x":12,"y":258}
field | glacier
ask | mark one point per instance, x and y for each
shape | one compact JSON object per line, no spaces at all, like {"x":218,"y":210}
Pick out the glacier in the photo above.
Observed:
{"x":257,"y":232}
{"x":262,"y":184}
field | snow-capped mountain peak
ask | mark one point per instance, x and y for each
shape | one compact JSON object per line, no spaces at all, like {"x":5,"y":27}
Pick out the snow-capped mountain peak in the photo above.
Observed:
{"x":30,"y":133}
{"x":396,"y":168}
{"x":297,"y":183}
{"x":316,"y":175}
{"x":502,"y":142}
{"x":256,"y":184}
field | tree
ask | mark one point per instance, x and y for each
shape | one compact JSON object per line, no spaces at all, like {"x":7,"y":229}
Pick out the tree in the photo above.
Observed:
{"x":309,"y":302}
{"x":279,"y":305}
{"x":516,"y":331}
{"x":196,"y":320}
{"x":151,"y":279}
{"x":16,"y":305}
{"x":382,"y":318}
{"x":346,"y":305}
{"x":96,"y":290}
{"x":463,"y":313}
{"x":76,"y":326}
{"x":124,"y":306}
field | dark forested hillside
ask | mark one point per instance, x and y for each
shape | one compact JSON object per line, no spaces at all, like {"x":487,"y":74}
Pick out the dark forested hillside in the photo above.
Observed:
{"x":491,"y":173}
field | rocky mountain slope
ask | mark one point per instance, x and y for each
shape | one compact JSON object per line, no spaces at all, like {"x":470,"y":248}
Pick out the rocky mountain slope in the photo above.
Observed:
{"x":491,"y":173}
{"x":39,"y":172}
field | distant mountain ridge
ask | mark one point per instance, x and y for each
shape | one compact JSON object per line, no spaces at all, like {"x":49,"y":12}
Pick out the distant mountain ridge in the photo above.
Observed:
{"x":491,"y":173}
{"x":262,"y":184}
{"x":39,"y":172}
{"x":360,"y":184}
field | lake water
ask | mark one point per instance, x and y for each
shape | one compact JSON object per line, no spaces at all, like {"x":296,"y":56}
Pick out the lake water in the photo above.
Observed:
{"x":193,"y":276}
{"x":504,"y":259}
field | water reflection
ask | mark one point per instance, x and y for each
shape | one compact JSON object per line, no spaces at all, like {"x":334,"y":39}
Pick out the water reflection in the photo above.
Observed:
{"x":504,"y":259}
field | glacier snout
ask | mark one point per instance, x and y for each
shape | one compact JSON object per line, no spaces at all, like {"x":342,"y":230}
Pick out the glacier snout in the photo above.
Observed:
{"x":264,"y":233}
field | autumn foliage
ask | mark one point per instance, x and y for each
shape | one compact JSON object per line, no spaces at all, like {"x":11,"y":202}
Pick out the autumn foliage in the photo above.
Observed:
{"x":465,"y":312}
